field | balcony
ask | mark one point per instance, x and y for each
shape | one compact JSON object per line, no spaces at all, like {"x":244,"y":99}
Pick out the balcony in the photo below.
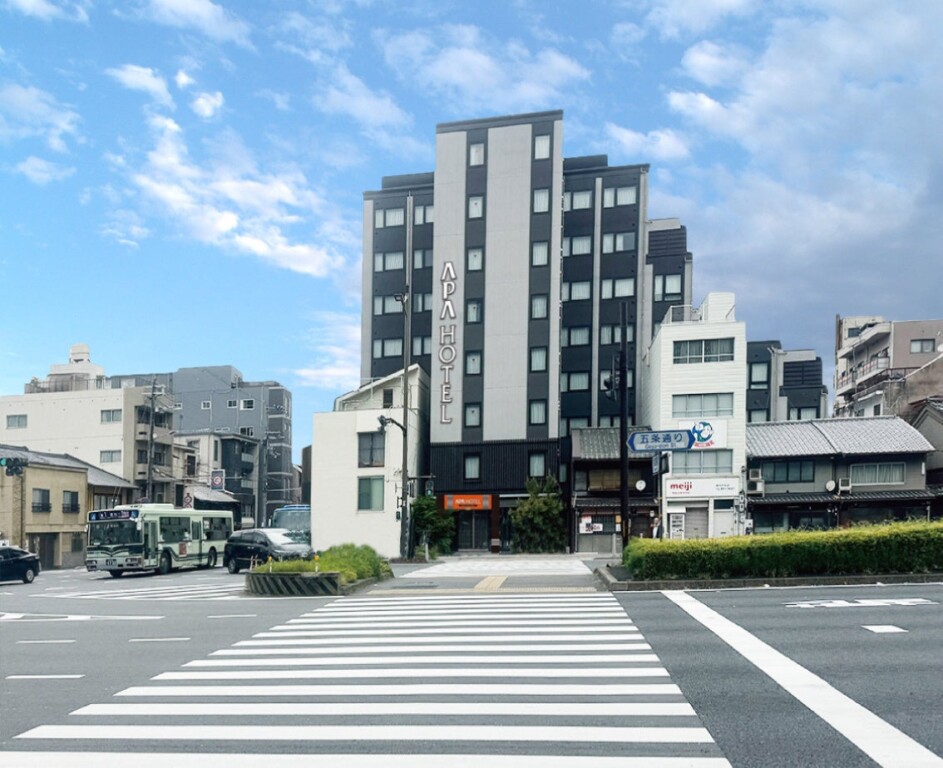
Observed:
{"x":850,"y":379}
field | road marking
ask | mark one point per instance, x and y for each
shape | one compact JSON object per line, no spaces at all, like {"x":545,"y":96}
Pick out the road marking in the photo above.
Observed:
{"x":436,"y":708}
{"x":43,"y":677}
{"x":471,"y":629}
{"x":409,"y":689}
{"x":361,"y":733}
{"x":157,"y":639}
{"x":882,"y":629}
{"x":43,"y":642}
{"x":490,"y":584}
{"x":563,"y":658}
{"x":881,"y":741}
{"x":415,"y":672}
{"x":863,"y":603}
{"x":434,"y":648}
{"x":234,"y":616}
{"x":71,"y":617}
{"x":236,"y":760}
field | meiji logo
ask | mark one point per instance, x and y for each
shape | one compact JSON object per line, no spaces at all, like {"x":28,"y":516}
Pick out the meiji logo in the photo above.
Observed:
{"x":687,"y":485}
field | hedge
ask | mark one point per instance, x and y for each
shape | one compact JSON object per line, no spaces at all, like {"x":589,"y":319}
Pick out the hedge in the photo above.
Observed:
{"x":905,"y":547}
{"x":352,"y":562}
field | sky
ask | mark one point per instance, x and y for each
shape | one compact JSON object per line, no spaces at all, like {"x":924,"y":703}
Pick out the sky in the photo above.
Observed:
{"x":181,"y":181}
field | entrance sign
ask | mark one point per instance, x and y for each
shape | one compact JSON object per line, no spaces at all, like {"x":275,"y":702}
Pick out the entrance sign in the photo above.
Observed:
{"x":665,"y":440}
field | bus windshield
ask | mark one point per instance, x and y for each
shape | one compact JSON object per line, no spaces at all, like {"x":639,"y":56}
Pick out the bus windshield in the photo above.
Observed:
{"x":113,"y":532}
{"x":293,"y":519}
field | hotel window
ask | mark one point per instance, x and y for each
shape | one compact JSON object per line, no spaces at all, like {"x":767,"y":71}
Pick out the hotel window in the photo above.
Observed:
{"x":703,"y":351}
{"x":618,"y":241}
{"x":386,"y":305}
{"x":537,"y":412}
{"x":473,"y":415}
{"x":109,"y":457}
{"x":919,"y":346}
{"x":423,"y":214}
{"x":476,"y":154}
{"x":885,"y":473}
{"x":576,"y":291}
{"x":473,"y":311}
{"x":542,"y":147}
{"x":111,"y":415}
{"x":580,"y":246}
{"x":476,"y":207}
{"x":697,"y":406}
{"x":473,"y":363}
{"x":537,"y":464}
{"x":389,"y":217}
{"x":538,"y":307}
{"x":473,"y":467}
{"x":576,"y":381}
{"x":612,"y":334}
{"x":422,"y":345}
{"x":371,"y":449}
{"x":757,"y":416}
{"x":476,"y":260}
{"x":759,"y":375}
{"x":385,"y":262}
{"x":541,"y":200}
{"x":422,"y":258}
{"x":582,"y":200}
{"x":618,"y":288}
{"x":538,"y":359}
{"x":392,"y":347}
{"x":578,"y":336}
{"x":16,"y":421}
{"x":378,"y":348}
{"x":370,"y":494}
{"x":565,"y":247}
{"x":702,"y":462}
{"x":613,"y":196}
{"x":667,"y":287}
{"x":539,"y":254}
{"x":422,"y":302}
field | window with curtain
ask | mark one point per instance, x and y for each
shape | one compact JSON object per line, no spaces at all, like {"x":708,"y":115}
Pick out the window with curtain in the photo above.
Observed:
{"x":538,"y":359}
{"x":476,"y":259}
{"x":541,"y":200}
{"x":473,"y":363}
{"x":877,"y":473}
{"x":538,"y":307}
{"x":537,"y":412}
{"x":542,"y":147}
{"x":370,"y":494}
{"x":539,"y":254}
{"x":473,"y":415}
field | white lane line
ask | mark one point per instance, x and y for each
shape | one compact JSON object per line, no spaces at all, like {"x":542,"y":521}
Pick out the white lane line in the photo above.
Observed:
{"x":43,"y":677}
{"x":410,"y":689}
{"x":234,"y":616}
{"x":471,"y":629}
{"x":43,"y":642}
{"x":883,"y":629}
{"x":71,"y":617}
{"x":878,"y":739}
{"x":557,"y":599}
{"x":483,"y":648}
{"x":361,"y":733}
{"x":344,"y":640}
{"x":341,"y":661}
{"x":416,"y":672}
{"x":426,"y":760}
{"x":519,"y":613}
{"x":157,"y":639}
{"x":439,"y":708}
{"x":418,"y":624}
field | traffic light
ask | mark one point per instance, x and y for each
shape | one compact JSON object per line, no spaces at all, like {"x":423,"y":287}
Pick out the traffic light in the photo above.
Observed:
{"x":12,"y":466}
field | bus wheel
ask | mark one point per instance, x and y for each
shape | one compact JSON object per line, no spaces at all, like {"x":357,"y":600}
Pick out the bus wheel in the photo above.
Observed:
{"x":116,"y":574}
{"x":164,"y":567}
{"x":211,"y":559}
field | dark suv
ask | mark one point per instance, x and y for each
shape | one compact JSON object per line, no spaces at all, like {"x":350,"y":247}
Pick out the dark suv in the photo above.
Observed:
{"x":251,"y":546}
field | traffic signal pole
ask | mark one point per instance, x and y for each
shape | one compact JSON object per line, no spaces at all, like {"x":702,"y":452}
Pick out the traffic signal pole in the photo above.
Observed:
{"x":624,"y":419}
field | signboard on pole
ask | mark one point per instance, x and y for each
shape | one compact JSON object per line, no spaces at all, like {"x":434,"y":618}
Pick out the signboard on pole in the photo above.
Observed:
{"x":664,"y":440}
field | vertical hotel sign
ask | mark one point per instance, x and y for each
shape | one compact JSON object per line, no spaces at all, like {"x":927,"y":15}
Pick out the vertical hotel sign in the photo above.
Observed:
{"x":447,"y":352}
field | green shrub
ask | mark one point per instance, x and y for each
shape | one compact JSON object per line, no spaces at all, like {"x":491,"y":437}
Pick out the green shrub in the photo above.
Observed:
{"x":436,"y":526}
{"x":538,"y":520}
{"x":906,"y":547}
{"x":351,"y":561}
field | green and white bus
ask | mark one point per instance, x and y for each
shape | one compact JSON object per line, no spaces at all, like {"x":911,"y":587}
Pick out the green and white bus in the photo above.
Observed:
{"x":155,"y":537}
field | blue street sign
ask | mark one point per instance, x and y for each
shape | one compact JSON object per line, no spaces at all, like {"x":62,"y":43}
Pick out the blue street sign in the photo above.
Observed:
{"x":666,"y":440}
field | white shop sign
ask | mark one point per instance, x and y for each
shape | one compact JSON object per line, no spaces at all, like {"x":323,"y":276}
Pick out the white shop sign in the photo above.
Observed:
{"x":701,"y":487}
{"x":708,"y":433}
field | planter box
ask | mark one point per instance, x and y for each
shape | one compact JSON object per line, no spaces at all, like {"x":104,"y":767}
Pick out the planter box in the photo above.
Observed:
{"x":294,"y":584}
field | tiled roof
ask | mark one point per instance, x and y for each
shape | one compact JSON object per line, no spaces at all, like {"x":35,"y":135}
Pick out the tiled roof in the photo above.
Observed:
{"x":601,"y":443}
{"x":96,"y":476}
{"x":823,"y":498}
{"x":835,"y":437}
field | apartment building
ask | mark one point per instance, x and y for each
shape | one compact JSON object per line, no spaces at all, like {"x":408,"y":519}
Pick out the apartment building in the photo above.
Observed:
{"x":784,"y":384}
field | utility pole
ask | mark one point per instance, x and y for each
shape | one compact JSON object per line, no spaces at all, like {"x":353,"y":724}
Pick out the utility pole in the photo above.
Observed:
{"x":406,"y":527}
{"x":624,"y":416}
{"x":150,"y":445}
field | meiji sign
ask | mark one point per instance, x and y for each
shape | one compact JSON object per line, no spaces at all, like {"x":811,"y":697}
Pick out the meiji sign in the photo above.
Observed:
{"x":701,"y":487}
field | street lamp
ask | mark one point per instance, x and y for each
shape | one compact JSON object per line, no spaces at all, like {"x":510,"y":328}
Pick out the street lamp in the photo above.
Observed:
{"x":405,"y":523}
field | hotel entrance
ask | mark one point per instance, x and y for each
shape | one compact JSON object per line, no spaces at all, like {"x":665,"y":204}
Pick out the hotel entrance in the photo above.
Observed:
{"x":477,"y":520}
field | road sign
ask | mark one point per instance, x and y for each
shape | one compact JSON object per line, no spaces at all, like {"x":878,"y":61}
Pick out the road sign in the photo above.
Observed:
{"x":665,"y":440}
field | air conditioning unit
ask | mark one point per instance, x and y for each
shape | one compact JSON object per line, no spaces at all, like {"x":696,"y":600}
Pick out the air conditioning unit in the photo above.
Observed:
{"x":844,"y":484}
{"x":755,"y":474}
{"x":755,"y":487}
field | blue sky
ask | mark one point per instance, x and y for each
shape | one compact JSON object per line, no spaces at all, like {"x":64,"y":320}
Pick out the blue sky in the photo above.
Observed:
{"x":181,"y":180}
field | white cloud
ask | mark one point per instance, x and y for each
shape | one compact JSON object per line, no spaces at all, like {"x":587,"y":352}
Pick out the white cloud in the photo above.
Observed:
{"x":41,"y":171}
{"x":143,"y":79}
{"x":125,"y":227}
{"x":349,"y":95}
{"x":674,"y":18}
{"x":663,"y":144}
{"x":202,"y":15}
{"x":46,"y":10}
{"x":458,"y":63}
{"x":336,"y":366}
{"x":27,"y":112}
{"x":206,"y":105}
{"x":183,"y":80}
{"x":713,"y":64}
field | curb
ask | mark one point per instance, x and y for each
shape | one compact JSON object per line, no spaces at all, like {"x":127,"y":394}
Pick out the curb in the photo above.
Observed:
{"x":615,"y":585}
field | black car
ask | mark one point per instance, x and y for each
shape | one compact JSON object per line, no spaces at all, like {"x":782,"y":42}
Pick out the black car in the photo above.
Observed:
{"x":251,"y":546}
{"x":16,"y":563}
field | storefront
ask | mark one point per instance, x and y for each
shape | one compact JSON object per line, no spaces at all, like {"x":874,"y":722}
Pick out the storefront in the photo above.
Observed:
{"x":702,"y":507}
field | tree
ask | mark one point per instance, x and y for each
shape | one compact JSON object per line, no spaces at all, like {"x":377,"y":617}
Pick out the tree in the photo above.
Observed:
{"x":538,"y":520}
{"x":438,"y":526}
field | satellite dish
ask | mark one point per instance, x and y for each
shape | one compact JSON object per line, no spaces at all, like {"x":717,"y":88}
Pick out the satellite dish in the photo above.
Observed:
{"x":640,"y":485}
{"x":830,"y":486}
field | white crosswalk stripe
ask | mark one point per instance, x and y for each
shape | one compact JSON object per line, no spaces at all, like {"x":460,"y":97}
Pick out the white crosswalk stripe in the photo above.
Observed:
{"x":549,"y":681}
{"x":223,"y":591}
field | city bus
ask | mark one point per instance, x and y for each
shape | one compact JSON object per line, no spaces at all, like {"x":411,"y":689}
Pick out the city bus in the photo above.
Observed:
{"x":155,"y":537}
{"x":296,"y":519}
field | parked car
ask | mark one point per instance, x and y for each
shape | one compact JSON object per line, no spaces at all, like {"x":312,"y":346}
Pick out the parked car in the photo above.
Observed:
{"x":248,"y":547}
{"x":16,"y":563}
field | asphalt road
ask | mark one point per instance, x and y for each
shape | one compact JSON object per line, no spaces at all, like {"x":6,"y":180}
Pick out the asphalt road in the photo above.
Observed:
{"x":831,"y":676}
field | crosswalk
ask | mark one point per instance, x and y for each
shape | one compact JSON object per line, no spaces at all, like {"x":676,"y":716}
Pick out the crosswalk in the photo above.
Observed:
{"x":512,"y":680}
{"x":191,"y":591}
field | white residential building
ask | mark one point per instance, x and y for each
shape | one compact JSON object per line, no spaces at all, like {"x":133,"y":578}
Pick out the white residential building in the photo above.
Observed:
{"x":357,"y":466}
{"x":694,"y":378}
